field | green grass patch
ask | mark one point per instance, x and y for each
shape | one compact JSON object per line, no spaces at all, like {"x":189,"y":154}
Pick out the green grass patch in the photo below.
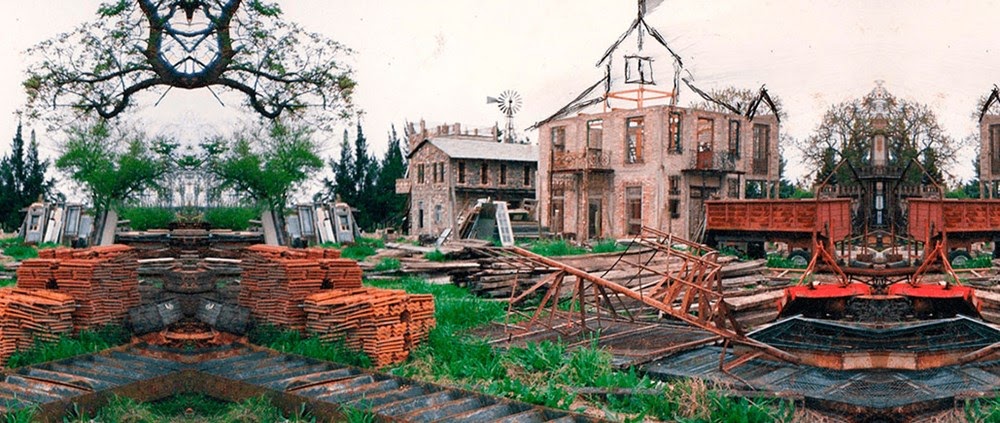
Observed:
{"x":146,"y":218}
{"x":437,"y":256}
{"x":607,"y":246}
{"x":86,"y":342}
{"x":293,"y":342}
{"x":779,"y":262}
{"x":233,"y":218}
{"x":387,"y":264}
{"x":977,"y":262}
{"x":555,"y":248}
{"x":189,"y":407}
{"x":20,"y":252}
{"x":357,"y":252}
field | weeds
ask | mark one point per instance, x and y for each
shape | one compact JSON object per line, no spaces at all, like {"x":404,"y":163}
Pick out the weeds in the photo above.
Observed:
{"x":779,"y":262}
{"x":982,"y":261}
{"x":983,"y":410}
{"x":86,"y":342}
{"x":20,"y":252}
{"x":436,"y":255}
{"x":387,"y":264}
{"x":555,"y":248}
{"x":607,"y":246}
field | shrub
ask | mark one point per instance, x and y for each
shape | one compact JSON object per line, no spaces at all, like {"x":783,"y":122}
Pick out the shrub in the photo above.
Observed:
{"x":233,"y":218}
{"x":146,"y":218}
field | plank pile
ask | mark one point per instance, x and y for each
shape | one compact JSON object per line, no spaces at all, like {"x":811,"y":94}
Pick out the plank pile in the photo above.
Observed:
{"x":386,"y":324}
{"x":27,"y":315}
{"x":103,"y":281}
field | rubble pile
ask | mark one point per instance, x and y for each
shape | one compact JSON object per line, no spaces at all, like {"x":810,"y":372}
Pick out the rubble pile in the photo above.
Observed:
{"x":384,"y":323}
{"x":30,"y":315}
{"x":103,"y":281}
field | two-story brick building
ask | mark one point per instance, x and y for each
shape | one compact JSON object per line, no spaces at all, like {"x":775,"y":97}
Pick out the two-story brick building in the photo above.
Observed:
{"x":449,"y":170}
{"x":607,"y":174}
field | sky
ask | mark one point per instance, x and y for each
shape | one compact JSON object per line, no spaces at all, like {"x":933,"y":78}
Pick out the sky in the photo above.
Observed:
{"x":438,"y":60}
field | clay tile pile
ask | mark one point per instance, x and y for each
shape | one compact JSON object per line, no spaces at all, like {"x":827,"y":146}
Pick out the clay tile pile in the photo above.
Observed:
{"x":103,"y":281}
{"x":274,"y":282}
{"x":27,"y":315}
{"x":340,"y":273}
{"x":377,"y":321}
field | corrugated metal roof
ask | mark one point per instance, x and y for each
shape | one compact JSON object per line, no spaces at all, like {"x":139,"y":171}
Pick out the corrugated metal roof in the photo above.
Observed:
{"x":486,"y":150}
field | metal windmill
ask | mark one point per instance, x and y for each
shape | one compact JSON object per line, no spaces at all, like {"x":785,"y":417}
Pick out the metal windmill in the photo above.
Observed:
{"x":509,"y":103}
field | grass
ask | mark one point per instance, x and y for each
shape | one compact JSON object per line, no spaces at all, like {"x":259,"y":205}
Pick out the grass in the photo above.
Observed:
{"x":387,"y":264}
{"x":189,"y":407}
{"x":86,"y":342}
{"x":146,"y":218}
{"x":361,"y":249}
{"x":555,"y":248}
{"x":986,"y":410}
{"x":607,"y":246}
{"x":234,"y":218}
{"x":981,"y":261}
{"x":293,"y":342}
{"x":437,"y":256}
{"x":779,"y":262}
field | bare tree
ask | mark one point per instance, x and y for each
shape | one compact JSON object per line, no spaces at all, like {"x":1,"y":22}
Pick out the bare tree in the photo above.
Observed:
{"x":232,"y":45}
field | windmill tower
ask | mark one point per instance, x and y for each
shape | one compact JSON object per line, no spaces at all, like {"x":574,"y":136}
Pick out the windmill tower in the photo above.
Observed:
{"x":509,"y":103}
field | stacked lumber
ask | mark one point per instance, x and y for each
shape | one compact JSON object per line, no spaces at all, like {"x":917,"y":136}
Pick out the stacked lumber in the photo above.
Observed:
{"x":27,"y":315}
{"x":103,"y":281}
{"x":274,"y":282}
{"x":385,"y":324}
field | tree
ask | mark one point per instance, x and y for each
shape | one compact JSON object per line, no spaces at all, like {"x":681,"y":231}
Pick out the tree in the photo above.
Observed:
{"x":265,"y":163}
{"x":22,"y":180}
{"x":912,"y":133}
{"x":343,"y":186}
{"x":392,"y":205}
{"x":241,"y":46}
{"x":114,"y":164}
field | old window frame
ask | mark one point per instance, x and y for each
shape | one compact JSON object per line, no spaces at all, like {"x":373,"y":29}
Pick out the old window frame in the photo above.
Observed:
{"x":461,"y":172}
{"x":484,"y":174}
{"x":633,"y":139}
{"x":734,"y":139}
{"x":558,"y":138}
{"x":761,"y":147}
{"x":633,"y":209}
{"x":674,"y":130}
{"x":595,"y":134}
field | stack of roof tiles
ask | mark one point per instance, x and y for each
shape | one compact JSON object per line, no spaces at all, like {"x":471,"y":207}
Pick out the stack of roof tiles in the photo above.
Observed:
{"x":103,"y":281}
{"x":386,"y":324}
{"x":275,"y":280}
{"x":30,"y":315}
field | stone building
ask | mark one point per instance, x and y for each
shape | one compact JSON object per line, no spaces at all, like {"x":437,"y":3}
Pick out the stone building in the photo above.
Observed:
{"x":607,"y":174}
{"x":623,"y":154}
{"x":449,"y":170}
{"x":989,"y":147}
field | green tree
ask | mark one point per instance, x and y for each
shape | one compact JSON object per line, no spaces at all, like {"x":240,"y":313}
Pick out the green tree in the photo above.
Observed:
{"x":114,"y":164}
{"x":267,"y":164}
{"x":22,"y":180}
{"x":343,"y":186}
{"x":912,"y":133}
{"x":392,"y":205}
{"x":366,"y":169}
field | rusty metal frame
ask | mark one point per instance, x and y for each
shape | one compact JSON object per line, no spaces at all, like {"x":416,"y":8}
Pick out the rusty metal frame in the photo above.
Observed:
{"x":690,"y":292}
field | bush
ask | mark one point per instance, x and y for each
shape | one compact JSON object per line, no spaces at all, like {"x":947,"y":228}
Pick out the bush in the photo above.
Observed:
{"x":233,"y":218}
{"x":146,"y":218}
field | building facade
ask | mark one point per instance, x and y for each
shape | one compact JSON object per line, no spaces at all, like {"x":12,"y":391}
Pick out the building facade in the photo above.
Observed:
{"x":605,"y":175}
{"x":449,"y":170}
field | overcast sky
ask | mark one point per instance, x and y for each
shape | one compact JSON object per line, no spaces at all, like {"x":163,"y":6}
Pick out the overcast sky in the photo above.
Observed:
{"x":438,"y":60}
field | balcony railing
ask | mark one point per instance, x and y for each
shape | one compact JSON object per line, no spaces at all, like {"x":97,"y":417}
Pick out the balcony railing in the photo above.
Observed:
{"x":713,"y":160}
{"x":578,"y":161}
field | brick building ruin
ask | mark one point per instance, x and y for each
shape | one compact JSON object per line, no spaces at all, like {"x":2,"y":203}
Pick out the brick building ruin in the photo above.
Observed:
{"x":450,"y":169}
